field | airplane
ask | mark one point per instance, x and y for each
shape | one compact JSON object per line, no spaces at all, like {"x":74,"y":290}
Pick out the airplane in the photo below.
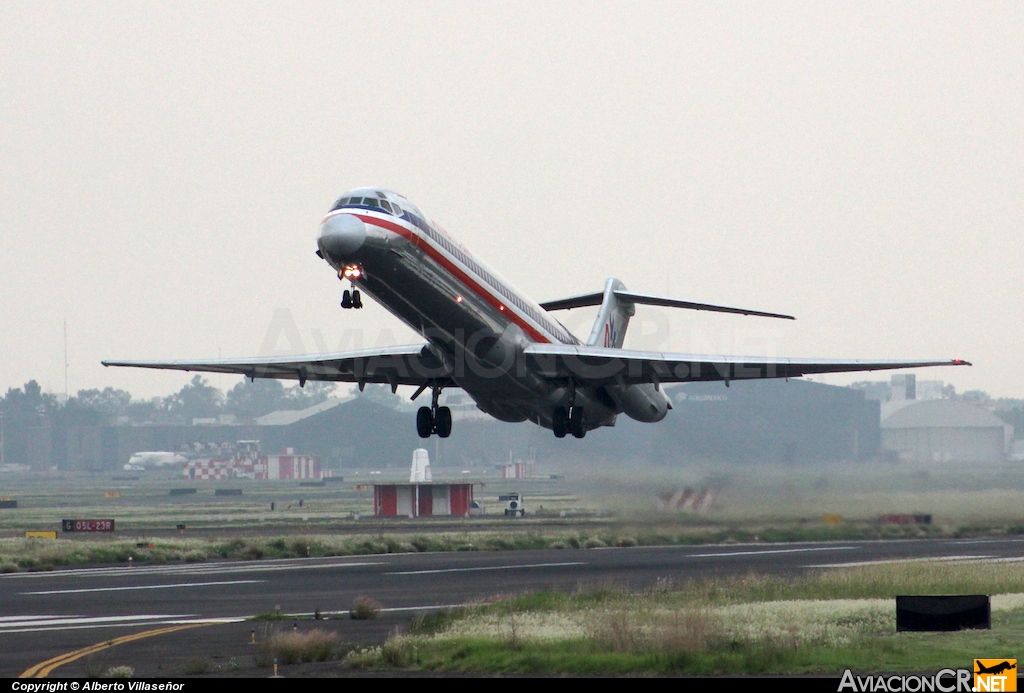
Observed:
{"x":507,"y":352}
{"x":142,"y":461}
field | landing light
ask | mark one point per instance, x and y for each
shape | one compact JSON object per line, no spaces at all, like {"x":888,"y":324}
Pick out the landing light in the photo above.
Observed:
{"x":352,"y":272}
{"x":458,"y":299}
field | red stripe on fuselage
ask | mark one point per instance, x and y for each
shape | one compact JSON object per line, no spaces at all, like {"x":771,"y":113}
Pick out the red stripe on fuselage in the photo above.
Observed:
{"x":468,"y":281}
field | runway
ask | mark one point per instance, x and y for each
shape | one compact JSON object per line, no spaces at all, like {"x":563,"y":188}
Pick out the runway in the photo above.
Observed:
{"x":48,"y":614}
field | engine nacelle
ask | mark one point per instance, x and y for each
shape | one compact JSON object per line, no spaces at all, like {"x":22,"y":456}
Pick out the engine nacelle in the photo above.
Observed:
{"x":641,"y":402}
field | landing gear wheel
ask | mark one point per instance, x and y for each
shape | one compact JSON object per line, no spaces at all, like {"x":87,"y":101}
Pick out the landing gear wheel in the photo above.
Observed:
{"x":443,"y":422}
{"x":578,"y":422}
{"x":357,"y":299}
{"x":424,"y":422}
{"x":560,"y":422}
{"x":346,"y":299}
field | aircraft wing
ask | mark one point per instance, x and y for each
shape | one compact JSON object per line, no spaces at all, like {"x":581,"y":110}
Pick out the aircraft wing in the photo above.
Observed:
{"x":588,"y":365}
{"x":404,"y":365}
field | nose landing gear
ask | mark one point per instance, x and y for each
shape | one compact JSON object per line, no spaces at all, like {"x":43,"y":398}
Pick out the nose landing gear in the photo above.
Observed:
{"x":351,"y":299}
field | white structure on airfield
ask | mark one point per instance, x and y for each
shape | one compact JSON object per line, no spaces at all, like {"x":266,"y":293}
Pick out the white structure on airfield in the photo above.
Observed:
{"x":420,"y":471}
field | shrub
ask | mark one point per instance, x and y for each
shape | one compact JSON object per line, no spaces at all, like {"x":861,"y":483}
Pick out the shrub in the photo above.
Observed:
{"x":363,"y":658}
{"x":290,"y":647}
{"x":121,"y":672}
{"x":398,"y":652}
{"x":364,"y":609}
{"x":436,"y":622}
{"x":194,"y":667}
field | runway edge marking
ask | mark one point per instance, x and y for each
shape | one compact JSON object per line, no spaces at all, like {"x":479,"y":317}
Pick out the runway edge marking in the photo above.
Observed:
{"x":43,"y":669}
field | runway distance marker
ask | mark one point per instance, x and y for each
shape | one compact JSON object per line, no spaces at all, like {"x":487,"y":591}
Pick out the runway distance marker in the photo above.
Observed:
{"x":43,"y":669}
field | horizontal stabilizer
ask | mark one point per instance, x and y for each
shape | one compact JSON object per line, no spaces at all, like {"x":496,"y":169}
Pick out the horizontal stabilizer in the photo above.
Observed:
{"x":581,"y":301}
{"x":596,"y":298}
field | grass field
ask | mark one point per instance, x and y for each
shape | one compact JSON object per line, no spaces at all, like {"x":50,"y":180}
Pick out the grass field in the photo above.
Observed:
{"x":822,"y":623}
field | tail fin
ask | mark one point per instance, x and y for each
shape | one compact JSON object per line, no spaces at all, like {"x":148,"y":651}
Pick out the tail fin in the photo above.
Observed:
{"x":613,"y":317}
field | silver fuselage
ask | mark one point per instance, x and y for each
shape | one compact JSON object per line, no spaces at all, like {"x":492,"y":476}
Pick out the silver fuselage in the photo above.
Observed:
{"x":475,"y":322}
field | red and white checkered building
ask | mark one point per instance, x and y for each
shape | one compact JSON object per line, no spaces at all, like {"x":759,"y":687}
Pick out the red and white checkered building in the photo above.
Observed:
{"x":284,"y":467}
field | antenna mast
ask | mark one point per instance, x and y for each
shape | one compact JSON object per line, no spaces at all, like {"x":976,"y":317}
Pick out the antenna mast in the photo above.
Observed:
{"x":65,"y":360}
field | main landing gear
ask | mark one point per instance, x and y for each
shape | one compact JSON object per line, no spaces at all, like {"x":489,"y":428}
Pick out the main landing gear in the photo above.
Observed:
{"x":351,"y":299}
{"x":434,"y":419}
{"x":569,"y":420}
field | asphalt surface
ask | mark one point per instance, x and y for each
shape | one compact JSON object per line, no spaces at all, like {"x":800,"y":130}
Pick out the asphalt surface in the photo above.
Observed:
{"x":45,"y":615}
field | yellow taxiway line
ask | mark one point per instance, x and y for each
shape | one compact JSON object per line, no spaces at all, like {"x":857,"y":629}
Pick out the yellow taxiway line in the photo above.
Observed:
{"x":43,"y":669}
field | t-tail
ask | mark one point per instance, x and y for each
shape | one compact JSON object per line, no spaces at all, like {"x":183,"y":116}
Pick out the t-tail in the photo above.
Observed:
{"x":613,"y":317}
{"x":643,"y":402}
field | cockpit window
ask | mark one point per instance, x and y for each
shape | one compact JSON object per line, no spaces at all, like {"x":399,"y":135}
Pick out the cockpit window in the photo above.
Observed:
{"x":371,"y":202}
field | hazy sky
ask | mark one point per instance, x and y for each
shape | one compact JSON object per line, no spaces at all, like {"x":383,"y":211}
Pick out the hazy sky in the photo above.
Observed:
{"x":164,"y":167}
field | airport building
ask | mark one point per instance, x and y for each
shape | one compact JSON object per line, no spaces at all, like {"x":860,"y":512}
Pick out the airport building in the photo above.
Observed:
{"x":422,"y":499}
{"x":942,"y":430}
{"x":772,"y":421}
{"x":754,"y":421}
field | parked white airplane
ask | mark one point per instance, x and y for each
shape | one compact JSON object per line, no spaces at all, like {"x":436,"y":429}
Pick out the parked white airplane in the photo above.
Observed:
{"x":141,"y":461}
{"x":507,"y":352}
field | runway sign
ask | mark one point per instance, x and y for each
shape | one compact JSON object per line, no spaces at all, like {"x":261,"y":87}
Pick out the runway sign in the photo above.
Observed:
{"x":111,"y":494}
{"x":87,"y":525}
{"x":41,"y":535}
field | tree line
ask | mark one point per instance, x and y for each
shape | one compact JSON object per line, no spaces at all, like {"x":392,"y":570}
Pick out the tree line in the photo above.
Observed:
{"x":29,"y":406}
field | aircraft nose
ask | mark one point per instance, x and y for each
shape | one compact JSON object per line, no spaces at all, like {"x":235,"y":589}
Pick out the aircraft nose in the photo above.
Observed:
{"x":342,"y":235}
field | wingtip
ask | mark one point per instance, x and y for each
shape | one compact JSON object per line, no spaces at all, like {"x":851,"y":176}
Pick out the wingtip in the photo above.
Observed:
{"x":961,"y":362}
